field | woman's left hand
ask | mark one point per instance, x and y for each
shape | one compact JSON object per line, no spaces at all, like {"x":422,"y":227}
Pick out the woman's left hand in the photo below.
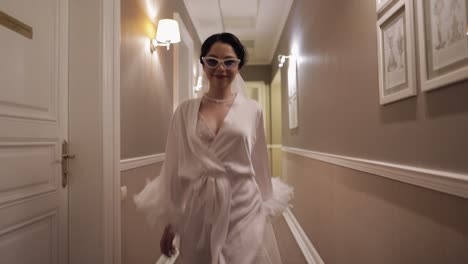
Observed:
{"x":166,"y":243}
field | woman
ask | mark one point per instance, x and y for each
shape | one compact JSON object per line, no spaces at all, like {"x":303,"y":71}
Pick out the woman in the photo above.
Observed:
{"x":215,"y":188}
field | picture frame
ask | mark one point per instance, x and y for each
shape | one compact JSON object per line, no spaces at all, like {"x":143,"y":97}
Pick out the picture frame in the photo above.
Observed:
{"x":443,"y":42}
{"x":396,"y":53}
{"x":382,"y":4}
{"x":292,"y":92}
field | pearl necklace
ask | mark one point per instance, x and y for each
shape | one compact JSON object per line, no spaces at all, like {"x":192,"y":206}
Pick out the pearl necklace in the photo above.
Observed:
{"x":218,"y":101}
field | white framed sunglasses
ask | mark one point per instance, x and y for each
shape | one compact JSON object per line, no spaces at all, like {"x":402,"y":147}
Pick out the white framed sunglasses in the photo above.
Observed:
{"x":212,"y":62}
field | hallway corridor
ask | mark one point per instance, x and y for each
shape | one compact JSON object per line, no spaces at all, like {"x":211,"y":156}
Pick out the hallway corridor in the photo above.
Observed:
{"x":364,"y":105}
{"x":380,"y":176}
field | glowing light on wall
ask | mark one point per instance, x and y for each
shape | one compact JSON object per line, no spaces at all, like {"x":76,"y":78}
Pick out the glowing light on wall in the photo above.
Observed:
{"x":282,"y":60}
{"x":168,"y":33}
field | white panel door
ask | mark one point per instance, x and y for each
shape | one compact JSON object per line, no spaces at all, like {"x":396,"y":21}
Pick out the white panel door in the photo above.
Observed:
{"x":33,"y":124}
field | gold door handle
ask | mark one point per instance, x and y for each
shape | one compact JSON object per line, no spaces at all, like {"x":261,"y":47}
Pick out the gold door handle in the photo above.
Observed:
{"x":68,"y":156}
{"x":65,"y":158}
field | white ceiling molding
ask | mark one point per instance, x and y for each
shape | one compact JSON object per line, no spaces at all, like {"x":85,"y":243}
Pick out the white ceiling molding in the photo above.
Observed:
{"x":257,"y":23}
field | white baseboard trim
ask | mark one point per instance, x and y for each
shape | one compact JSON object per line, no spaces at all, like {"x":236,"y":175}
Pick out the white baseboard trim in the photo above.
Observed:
{"x":128,"y":164}
{"x":310,"y":253}
{"x":443,"y":181}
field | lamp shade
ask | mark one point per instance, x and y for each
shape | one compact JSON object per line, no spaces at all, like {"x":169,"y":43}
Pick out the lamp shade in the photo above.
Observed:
{"x":168,"y":31}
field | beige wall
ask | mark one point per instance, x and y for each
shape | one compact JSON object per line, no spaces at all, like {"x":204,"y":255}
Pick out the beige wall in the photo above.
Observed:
{"x":140,"y":242}
{"x":146,"y":79}
{"x":339,"y":109}
{"x":146,"y":109}
{"x":354,"y":217}
{"x":256,"y":73}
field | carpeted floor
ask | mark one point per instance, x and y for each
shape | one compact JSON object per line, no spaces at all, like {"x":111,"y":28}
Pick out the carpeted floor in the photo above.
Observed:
{"x":289,"y":250}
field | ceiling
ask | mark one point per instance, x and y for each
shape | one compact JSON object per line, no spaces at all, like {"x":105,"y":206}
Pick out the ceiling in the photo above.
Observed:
{"x":257,"y":23}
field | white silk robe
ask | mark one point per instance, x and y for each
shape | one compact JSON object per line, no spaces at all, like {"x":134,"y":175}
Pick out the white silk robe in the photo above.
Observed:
{"x":219,"y":197}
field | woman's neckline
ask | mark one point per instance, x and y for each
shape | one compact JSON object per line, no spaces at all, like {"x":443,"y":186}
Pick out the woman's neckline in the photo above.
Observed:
{"x":219,"y":101}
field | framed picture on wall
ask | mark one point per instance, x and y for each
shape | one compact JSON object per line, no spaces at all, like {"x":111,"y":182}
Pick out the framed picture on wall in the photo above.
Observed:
{"x":443,"y":42}
{"x":396,"y":53}
{"x":292,"y":92}
{"x":382,"y":4}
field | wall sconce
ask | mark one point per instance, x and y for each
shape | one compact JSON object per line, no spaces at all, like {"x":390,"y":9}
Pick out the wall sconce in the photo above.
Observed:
{"x":168,"y":33}
{"x":282,"y":59}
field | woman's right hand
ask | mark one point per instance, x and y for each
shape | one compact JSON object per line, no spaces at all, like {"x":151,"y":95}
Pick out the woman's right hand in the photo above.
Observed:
{"x":166,"y":244}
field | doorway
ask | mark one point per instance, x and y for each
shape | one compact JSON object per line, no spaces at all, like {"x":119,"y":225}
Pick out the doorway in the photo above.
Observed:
{"x":269,"y":98}
{"x":276,"y":126}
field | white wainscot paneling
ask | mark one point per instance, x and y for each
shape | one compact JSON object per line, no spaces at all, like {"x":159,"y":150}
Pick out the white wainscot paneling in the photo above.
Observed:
{"x":31,"y":241}
{"x":28,"y":169}
{"x":29,"y":67}
{"x":443,"y":181}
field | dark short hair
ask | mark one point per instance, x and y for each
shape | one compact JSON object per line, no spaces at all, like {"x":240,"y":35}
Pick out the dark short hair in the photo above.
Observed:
{"x":229,"y":39}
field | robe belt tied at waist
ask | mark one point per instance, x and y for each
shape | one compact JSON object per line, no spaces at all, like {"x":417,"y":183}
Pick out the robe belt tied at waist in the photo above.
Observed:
{"x":214,"y":194}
